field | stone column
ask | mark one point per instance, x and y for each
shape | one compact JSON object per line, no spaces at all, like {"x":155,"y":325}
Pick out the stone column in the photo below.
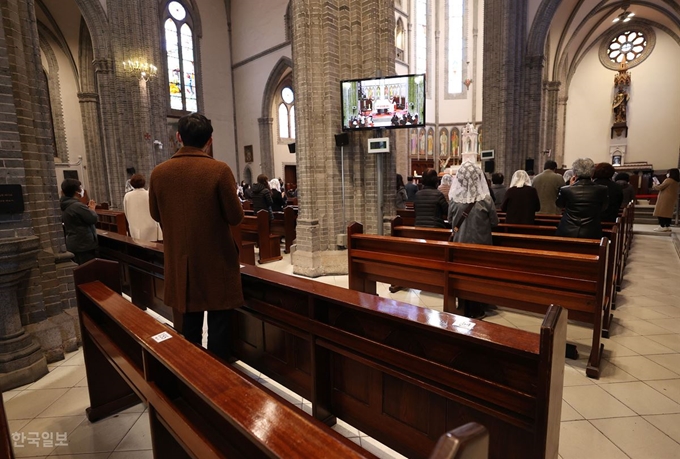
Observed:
{"x":96,"y":162}
{"x":504,"y":65}
{"x":22,"y":359}
{"x":528,"y":119}
{"x":29,"y":161}
{"x":266,"y":147}
{"x":333,"y":41}
{"x":560,"y":128}
{"x":552,"y":89}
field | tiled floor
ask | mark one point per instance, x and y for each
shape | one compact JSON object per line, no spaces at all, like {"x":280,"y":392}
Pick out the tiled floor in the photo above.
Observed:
{"x":632,"y":411}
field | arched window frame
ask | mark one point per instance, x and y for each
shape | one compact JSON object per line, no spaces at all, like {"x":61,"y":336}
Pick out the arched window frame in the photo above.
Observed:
{"x":290,"y":109}
{"x":193,"y":20}
{"x":455,"y":68}
{"x":400,"y":39}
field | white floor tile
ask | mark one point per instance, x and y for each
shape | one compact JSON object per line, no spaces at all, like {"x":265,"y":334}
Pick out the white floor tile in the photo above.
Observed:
{"x":139,"y":436}
{"x":670,"y":361}
{"x":593,"y":402}
{"x":667,"y":423}
{"x":10,"y":394}
{"x":102,"y":436}
{"x":668,"y":387}
{"x":49,"y":427}
{"x":639,"y":344}
{"x":568,"y":413}
{"x":72,"y":403}
{"x":581,"y":440}
{"x":670,"y":341}
{"x":29,"y":403}
{"x":642,"y":398}
{"x":638,"y":438}
{"x":61,"y":377}
{"x":643,"y":368}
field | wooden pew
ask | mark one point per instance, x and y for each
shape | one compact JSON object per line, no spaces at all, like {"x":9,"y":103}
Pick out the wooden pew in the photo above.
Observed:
{"x":537,"y":242}
{"x":283,"y":225}
{"x":258,"y":229}
{"x":246,"y":253}
{"x":113,"y":221}
{"x":198,"y":407}
{"x":524,"y":279}
{"x":408,"y":216}
{"x":429,"y":371}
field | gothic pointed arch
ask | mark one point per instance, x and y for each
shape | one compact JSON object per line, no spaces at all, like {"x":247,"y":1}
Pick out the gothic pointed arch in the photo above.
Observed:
{"x":98,"y":24}
{"x":51,"y":74}
{"x":282,"y":67}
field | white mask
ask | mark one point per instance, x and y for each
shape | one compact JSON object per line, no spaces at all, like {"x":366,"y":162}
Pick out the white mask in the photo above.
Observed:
{"x":668,"y":175}
{"x":81,"y":192}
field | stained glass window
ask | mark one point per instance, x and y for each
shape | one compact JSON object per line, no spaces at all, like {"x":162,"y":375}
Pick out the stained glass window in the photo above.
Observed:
{"x":179,"y":45}
{"x":630,"y":44}
{"x":456,"y":41}
{"x":286,"y":113}
{"x":421,"y":36}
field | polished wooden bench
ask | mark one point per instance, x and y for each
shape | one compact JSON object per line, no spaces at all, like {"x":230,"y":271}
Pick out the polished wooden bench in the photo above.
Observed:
{"x":524,"y":279}
{"x":401,"y":373}
{"x":258,"y":229}
{"x":198,"y":407}
{"x":434,"y":371}
{"x":533,"y":242}
{"x":113,"y":221}
{"x":284,"y":224}
{"x":246,"y":253}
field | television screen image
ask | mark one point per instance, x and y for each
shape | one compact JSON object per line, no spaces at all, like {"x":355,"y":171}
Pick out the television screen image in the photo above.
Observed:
{"x":378,"y":103}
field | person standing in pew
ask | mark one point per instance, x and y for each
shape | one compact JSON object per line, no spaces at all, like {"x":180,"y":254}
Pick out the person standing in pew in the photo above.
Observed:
{"x":278,"y":200}
{"x":623,"y":179}
{"x":79,"y":220}
{"x":521,"y":200}
{"x":202,"y":270}
{"x":583,"y":203}
{"x":548,"y":184}
{"x":262,"y":196}
{"x":430,"y":205}
{"x":411,"y":189}
{"x":603,"y":176}
{"x":472,"y":214}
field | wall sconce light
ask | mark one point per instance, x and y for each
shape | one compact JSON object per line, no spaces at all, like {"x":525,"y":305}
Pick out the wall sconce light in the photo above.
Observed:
{"x":145,"y":70}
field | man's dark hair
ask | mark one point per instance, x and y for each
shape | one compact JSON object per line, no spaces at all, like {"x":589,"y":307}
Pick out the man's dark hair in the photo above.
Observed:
{"x":130,"y":171}
{"x":550,"y":164}
{"x":70,"y":187}
{"x":497,"y":178}
{"x":604,"y":171}
{"x":195,"y":130}
{"x":622,"y":176}
{"x":137,"y":181}
{"x":409,"y":179}
{"x":531,"y":173}
{"x":429,"y":178}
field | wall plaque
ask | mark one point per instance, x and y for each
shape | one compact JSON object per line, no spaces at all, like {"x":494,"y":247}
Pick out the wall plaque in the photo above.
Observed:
{"x":11,"y":199}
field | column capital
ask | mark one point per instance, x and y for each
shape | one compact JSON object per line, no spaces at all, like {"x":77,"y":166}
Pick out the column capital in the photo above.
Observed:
{"x":104,"y":65}
{"x":552,"y":85}
{"x":84,"y":97}
{"x":265,"y":121}
{"x":535,"y":61}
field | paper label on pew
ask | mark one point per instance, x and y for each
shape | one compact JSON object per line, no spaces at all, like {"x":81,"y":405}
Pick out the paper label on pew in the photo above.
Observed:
{"x":159,"y":338}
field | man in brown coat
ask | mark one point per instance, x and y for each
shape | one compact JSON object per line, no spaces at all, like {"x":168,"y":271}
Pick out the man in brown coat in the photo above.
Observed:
{"x":194,"y":199}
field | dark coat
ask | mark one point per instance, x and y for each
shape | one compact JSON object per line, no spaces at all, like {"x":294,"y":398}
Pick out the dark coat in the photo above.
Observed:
{"x":583,"y":203}
{"x":431,"y":208}
{"x":79,"y":220}
{"x":262,"y":198}
{"x":615,"y":199}
{"x":193,"y":197}
{"x":628,"y":192}
{"x":411,"y":191}
{"x":521,"y":205}
{"x":278,"y":203}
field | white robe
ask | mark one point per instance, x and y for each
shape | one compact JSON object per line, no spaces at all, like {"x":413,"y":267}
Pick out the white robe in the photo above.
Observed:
{"x":141,"y":225}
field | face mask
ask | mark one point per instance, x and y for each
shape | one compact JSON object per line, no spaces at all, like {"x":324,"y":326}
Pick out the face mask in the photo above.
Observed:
{"x":81,"y":193}
{"x":668,"y":175}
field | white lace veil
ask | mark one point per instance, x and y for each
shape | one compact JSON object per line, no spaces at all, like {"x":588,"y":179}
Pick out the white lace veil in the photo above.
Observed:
{"x":469,"y":184}
{"x":519,"y":179}
{"x":275,"y":185}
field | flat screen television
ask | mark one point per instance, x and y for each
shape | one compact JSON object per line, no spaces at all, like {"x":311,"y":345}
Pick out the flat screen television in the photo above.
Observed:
{"x":383,"y":103}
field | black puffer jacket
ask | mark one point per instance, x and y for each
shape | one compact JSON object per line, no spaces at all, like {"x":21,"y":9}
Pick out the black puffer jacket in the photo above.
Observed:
{"x":262,"y":198}
{"x":431,"y":208}
{"x":79,"y":220}
{"x":615,"y":198}
{"x":583,"y":203}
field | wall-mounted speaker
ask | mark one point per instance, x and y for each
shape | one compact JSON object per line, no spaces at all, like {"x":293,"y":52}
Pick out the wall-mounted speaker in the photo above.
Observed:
{"x":341,"y":139}
{"x":489,"y":166}
{"x":291,"y":147}
{"x":529,"y":164}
